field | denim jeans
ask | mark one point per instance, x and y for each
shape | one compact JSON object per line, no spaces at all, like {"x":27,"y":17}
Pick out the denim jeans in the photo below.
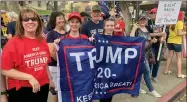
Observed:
{"x":147,"y":75}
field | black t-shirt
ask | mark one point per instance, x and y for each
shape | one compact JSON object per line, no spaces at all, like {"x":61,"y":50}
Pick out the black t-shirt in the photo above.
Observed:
{"x":51,"y":36}
{"x":90,"y":28}
{"x":11,"y":28}
{"x":152,"y":28}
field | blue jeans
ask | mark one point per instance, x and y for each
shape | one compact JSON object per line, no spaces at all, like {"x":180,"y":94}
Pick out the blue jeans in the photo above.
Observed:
{"x":155,"y":67}
{"x":147,"y":75}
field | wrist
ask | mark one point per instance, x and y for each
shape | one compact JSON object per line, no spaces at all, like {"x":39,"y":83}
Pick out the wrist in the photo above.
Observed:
{"x":3,"y":93}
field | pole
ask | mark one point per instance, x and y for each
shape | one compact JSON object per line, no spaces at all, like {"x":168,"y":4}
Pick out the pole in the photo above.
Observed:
{"x":137,"y":10}
{"x":161,"y":44}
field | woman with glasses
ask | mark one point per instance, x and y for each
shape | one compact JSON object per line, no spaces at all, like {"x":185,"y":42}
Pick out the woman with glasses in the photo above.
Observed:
{"x":25,"y":59}
{"x":57,"y":23}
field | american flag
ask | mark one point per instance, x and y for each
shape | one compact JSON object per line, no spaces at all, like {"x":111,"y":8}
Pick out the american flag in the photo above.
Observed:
{"x":117,"y":7}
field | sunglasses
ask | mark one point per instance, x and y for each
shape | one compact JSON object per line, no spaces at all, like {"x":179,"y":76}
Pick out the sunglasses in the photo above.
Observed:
{"x":32,"y":19}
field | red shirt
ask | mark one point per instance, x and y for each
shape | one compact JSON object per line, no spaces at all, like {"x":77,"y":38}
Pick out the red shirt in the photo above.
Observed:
{"x":119,"y":25}
{"x":29,"y":56}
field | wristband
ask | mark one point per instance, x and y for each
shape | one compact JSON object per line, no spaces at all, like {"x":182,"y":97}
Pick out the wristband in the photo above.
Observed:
{"x":4,"y":93}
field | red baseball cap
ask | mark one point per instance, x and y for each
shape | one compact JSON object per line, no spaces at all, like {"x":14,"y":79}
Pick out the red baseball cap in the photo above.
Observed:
{"x":74,"y":15}
{"x":181,"y":15}
{"x":153,"y":10}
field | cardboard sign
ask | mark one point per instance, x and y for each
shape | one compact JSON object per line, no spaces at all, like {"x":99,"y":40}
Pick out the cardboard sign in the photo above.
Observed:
{"x":168,"y":12}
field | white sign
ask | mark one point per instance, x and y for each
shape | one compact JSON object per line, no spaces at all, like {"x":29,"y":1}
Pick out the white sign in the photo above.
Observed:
{"x":167,"y":12}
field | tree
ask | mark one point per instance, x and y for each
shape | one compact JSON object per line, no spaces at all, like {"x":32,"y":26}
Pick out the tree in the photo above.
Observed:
{"x":124,"y":5}
{"x":10,"y":6}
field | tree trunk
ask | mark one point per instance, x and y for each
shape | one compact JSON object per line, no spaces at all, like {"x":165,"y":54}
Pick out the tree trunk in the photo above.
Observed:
{"x":55,"y":5}
{"x":124,"y":5}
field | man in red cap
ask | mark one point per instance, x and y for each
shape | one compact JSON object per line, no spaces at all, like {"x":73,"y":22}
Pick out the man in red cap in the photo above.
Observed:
{"x":156,"y":33}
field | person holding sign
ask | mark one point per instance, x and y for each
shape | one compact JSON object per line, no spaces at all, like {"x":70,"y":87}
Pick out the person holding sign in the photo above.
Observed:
{"x":155,"y":32}
{"x":175,"y":45}
{"x":24,"y":60}
{"x":57,"y":22}
{"x":109,"y":26}
{"x":139,"y":29}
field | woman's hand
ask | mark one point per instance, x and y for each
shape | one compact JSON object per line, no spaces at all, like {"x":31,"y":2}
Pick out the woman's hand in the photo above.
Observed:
{"x":4,"y":98}
{"x":91,"y":39}
{"x":154,"y":40}
{"x":57,"y":41}
{"x":51,"y":84}
{"x":35,"y":84}
{"x":136,"y":25}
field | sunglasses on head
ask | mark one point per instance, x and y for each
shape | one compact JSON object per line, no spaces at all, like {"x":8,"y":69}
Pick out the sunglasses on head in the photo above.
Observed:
{"x":31,"y":18}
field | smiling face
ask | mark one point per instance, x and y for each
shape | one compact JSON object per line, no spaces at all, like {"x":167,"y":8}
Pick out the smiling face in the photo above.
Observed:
{"x":96,"y":15}
{"x":60,"y":21}
{"x":74,"y":24}
{"x":109,"y":27}
{"x":142,"y":21}
{"x":30,"y":22}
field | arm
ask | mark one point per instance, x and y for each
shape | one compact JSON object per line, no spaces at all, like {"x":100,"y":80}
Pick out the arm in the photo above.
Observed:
{"x":3,"y":89}
{"x":180,"y":32}
{"x":118,"y":30}
{"x":13,"y":73}
{"x":133,"y":31}
{"x":52,"y":50}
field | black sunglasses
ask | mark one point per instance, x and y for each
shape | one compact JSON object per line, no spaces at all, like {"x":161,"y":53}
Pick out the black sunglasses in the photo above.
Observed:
{"x":32,"y":19}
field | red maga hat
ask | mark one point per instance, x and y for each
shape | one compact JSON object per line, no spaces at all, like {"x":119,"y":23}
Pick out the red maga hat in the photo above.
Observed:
{"x":74,"y":15}
{"x":181,"y":15}
{"x":153,"y":10}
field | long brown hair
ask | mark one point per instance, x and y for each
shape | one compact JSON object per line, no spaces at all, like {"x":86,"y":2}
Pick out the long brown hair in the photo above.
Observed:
{"x":173,"y":27}
{"x":19,"y":26}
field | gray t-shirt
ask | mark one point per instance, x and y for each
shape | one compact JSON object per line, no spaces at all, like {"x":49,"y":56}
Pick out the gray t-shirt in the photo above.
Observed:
{"x":147,"y":37}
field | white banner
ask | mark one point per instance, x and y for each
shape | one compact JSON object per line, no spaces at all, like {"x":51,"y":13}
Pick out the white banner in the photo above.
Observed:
{"x":167,"y":12}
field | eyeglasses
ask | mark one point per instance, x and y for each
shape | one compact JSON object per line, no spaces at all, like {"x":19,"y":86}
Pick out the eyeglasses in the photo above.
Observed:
{"x":32,"y":19}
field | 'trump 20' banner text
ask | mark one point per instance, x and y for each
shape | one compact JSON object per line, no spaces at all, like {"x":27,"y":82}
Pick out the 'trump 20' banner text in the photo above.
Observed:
{"x":112,"y":66}
{"x":119,"y":63}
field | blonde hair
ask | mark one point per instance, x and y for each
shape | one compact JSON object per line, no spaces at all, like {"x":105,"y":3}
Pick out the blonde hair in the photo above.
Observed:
{"x":19,"y":26}
{"x":12,"y":15}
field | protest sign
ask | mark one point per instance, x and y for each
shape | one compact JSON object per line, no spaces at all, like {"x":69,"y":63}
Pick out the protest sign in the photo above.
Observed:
{"x":88,"y":72}
{"x":167,"y":12}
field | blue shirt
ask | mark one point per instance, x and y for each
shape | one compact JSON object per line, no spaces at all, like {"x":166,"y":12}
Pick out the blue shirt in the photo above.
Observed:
{"x":51,"y":36}
{"x":90,"y":28}
{"x":11,"y":28}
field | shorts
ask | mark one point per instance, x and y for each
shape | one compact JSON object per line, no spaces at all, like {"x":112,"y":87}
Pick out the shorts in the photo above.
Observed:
{"x":175,"y":47}
{"x":54,"y":73}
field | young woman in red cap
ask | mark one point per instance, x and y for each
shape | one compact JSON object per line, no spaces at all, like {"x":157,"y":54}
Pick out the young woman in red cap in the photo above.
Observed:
{"x":175,"y":45}
{"x":24,"y":60}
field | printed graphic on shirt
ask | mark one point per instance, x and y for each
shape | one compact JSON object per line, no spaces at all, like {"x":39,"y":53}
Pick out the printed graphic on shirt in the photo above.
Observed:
{"x":100,"y":31}
{"x":36,"y":60}
{"x":157,"y":28}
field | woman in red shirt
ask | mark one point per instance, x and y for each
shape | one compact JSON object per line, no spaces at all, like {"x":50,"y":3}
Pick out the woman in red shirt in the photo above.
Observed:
{"x":24,"y":60}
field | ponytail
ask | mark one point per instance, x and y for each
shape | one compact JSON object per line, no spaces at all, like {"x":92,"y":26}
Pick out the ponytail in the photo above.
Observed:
{"x":173,"y":27}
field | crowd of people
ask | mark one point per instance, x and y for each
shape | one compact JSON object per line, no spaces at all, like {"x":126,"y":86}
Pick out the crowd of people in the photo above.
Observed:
{"x":29,"y":59}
